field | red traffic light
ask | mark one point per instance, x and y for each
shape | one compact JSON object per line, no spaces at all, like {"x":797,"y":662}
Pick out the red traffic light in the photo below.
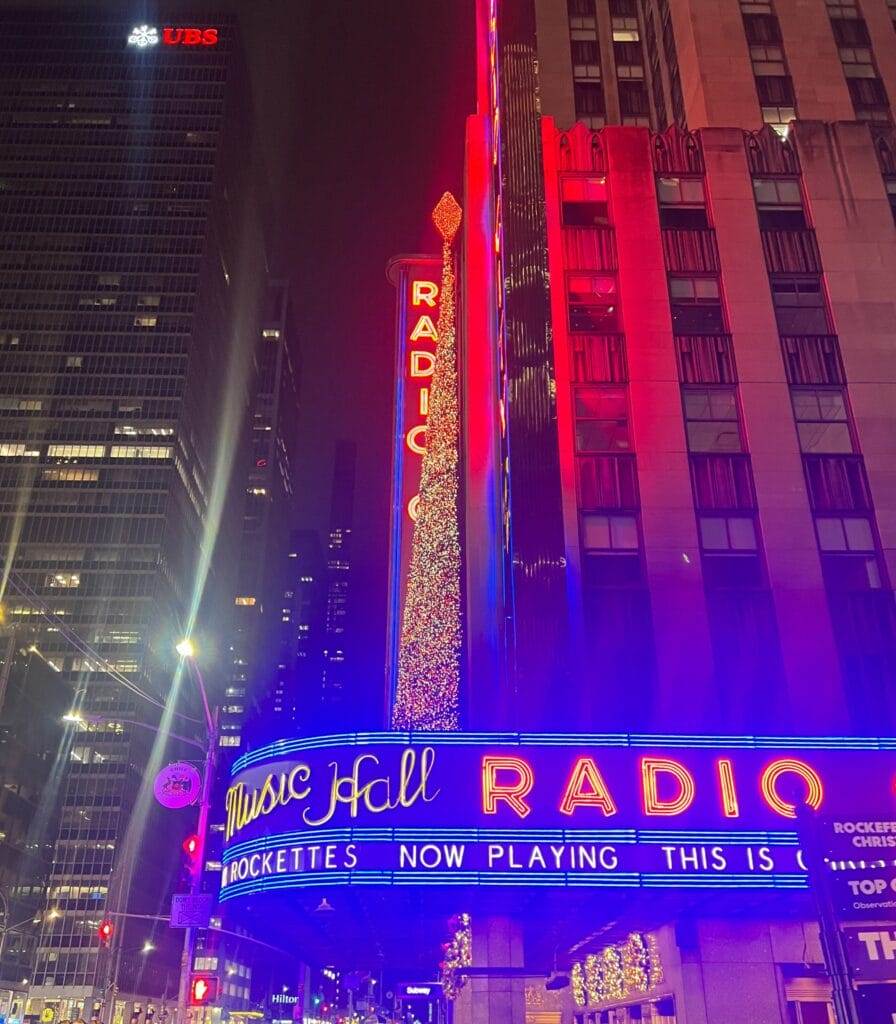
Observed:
{"x":191,"y":846}
{"x":105,"y":931}
{"x":203,"y":990}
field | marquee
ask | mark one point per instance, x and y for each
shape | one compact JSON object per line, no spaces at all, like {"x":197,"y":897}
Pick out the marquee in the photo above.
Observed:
{"x":501,"y":809}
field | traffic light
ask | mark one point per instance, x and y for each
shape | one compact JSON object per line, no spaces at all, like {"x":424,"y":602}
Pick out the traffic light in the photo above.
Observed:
{"x":105,"y":931}
{"x":190,"y":847}
{"x":203,"y":990}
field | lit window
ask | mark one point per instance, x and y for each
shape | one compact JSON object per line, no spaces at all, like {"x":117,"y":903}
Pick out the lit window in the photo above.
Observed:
{"x":584,"y":201}
{"x":696,"y":308}
{"x":149,"y":300}
{"x":11,"y":451}
{"x":248,"y":601}
{"x":76,"y":451}
{"x":142,"y":451}
{"x":593,"y":303}
{"x":63,"y":580}
{"x":625,"y":30}
{"x":229,"y":741}
{"x":145,"y":321}
{"x":270,"y":333}
{"x":74,"y":361}
{"x":72,"y":476}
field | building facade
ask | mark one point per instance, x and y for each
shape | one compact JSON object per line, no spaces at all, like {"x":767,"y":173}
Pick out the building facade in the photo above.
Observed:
{"x":678,"y":372}
{"x":130,"y":283}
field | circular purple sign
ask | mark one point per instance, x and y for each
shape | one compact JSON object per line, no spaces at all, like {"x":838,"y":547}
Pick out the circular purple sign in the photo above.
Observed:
{"x":177,"y":785}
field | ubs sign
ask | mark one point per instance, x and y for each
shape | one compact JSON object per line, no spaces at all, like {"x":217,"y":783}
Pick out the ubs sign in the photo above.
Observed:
{"x":145,"y":36}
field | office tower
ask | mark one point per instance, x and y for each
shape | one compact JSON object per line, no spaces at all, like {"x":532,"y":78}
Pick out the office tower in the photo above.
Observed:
{"x":33,"y":699}
{"x":300,"y":636}
{"x":130,"y":281}
{"x":260,"y":601}
{"x":336,"y":671}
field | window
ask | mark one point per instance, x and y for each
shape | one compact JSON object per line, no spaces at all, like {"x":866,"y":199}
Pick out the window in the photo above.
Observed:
{"x":812,"y":360}
{"x":696,"y":308}
{"x":607,"y":481}
{"x":711,"y":419}
{"x":592,"y":303}
{"x":589,"y":103}
{"x":762,"y":29}
{"x":246,"y":601}
{"x":229,"y":741}
{"x":149,"y":300}
{"x":625,"y":30}
{"x":73,"y":476}
{"x":822,"y":420}
{"x":205,"y":963}
{"x":779,"y":117}
{"x":585,"y":60}
{"x":63,"y":580}
{"x":841,"y":534}
{"x":74,"y":361}
{"x":601,"y":420}
{"x":609,"y":533}
{"x":634,"y":104}
{"x":799,"y":305}
{"x":76,"y":451}
{"x":842,"y":8}
{"x":140,"y":451}
{"x":837,"y":482}
{"x":145,"y":321}
{"x":705,"y":359}
{"x":727,"y":533}
{"x":598,"y":358}
{"x":767,"y":60}
{"x":680,"y":191}
{"x":584,"y":202}
{"x":722,"y":482}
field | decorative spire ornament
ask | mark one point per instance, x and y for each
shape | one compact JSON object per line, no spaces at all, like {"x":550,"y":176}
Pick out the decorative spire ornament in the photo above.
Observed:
{"x":427,"y":695}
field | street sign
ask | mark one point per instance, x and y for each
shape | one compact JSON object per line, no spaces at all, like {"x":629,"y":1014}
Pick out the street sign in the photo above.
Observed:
{"x":191,"y":910}
{"x":177,"y":785}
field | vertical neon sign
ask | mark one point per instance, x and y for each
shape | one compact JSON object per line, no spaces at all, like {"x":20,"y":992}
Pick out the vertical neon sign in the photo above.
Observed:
{"x":417,"y":283}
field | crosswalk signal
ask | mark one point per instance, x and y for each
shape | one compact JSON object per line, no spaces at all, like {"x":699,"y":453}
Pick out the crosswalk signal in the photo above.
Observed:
{"x":203,"y":990}
{"x":105,"y":931}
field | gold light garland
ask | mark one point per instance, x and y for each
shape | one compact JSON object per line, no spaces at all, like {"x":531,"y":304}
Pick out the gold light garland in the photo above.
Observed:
{"x":458,"y":953}
{"x":616,"y":972}
{"x":428,"y":688}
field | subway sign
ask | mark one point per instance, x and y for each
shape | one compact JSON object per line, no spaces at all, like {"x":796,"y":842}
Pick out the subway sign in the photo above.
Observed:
{"x":500,"y":809}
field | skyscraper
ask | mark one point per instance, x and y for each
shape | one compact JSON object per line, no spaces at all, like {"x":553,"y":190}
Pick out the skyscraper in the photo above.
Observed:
{"x":268,"y":517}
{"x":130,"y":282}
{"x":336,"y":672}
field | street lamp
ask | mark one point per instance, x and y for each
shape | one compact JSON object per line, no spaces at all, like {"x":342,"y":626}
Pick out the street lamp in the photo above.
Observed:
{"x":148,"y":947}
{"x":185,"y":648}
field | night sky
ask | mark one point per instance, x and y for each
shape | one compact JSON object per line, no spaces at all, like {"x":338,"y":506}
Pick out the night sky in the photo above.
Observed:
{"x":373,"y":136}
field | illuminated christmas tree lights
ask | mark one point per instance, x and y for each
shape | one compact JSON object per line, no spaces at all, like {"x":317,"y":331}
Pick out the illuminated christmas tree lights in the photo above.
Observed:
{"x":428,"y":689}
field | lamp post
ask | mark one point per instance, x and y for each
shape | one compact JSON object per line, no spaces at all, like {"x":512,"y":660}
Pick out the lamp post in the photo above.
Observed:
{"x":186,"y":650}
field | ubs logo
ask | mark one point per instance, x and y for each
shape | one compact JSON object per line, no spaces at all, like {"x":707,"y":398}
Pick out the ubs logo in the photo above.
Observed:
{"x":143,"y":36}
{"x":190,"y":36}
